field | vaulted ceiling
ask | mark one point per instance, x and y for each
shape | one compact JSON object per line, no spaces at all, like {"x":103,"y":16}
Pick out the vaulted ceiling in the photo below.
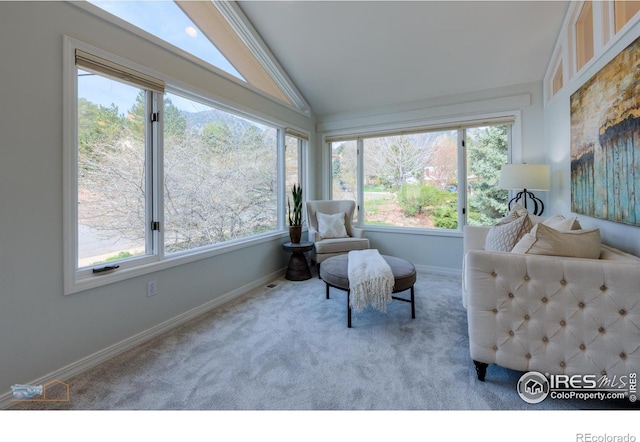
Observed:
{"x":351,"y":56}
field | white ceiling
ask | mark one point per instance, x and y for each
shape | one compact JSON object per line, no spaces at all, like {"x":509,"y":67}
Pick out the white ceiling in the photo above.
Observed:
{"x":349,"y":56}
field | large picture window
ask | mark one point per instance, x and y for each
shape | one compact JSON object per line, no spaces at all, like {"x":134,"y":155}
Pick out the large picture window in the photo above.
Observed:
{"x":156,"y":173}
{"x":435,"y":179}
{"x":220,"y":175}
{"x":409,"y":177}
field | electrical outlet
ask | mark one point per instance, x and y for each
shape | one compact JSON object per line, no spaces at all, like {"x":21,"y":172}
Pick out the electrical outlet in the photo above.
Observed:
{"x":152,"y":288}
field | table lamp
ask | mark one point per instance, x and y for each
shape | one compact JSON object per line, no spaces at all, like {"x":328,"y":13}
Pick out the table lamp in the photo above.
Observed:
{"x":527,"y":177}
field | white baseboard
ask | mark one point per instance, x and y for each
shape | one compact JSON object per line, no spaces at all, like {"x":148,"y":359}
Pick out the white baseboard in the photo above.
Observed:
{"x":103,"y":355}
{"x":439,"y":270}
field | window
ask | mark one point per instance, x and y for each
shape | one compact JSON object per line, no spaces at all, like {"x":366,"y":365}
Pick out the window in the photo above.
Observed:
{"x":111,"y":172}
{"x":417,"y":180}
{"x":158,"y":174}
{"x":114,"y":194}
{"x":344,"y":171}
{"x":487,"y":149}
{"x":557,"y":79}
{"x":408,"y":177}
{"x":295,"y":144}
{"x":220,"y":175}
{"x":216,"y":33}
{"x":584,"y":35}
{"x":624,"y":11}
{"x":179,"y":30}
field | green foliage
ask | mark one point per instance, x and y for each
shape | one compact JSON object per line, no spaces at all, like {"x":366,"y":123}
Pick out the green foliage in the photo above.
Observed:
{"x":336,"y":163}
{"x":416,"y":198}
{"x":136,"y":118}
{"x":446,"y":216}
{"x":217,"y":137}
{"x":117,"y":257}
{"x":98,"y":125}
{"x":335,"y":167}
{"x":175,"y":123}
{"x":487,"y":153}
{"x":295,"y":214}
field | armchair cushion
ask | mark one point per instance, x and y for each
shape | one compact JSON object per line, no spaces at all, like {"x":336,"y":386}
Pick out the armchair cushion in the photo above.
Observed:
{"x":341,"y":245}
{"x":331,"y":225}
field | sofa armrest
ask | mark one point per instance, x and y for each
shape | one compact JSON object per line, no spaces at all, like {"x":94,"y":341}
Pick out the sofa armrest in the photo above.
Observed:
{"x":357,"y":232}
{"x":474,"y":237}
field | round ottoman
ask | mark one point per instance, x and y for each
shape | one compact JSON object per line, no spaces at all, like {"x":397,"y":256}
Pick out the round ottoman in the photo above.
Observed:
{"x":334,"y":272}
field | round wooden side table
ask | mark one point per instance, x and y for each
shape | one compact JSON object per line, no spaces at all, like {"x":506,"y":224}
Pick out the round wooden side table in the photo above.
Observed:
{"x":298,"y":269}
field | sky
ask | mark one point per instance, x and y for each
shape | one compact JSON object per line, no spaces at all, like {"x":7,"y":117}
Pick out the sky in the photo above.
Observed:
{"x":166,"y":20}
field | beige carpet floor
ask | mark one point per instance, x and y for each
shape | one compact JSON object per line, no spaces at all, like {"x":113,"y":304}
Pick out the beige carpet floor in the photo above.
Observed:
{"x":286,"y":347}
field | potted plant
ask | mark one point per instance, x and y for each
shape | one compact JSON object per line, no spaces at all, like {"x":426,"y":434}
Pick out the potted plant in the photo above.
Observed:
{"x":294,"y":211}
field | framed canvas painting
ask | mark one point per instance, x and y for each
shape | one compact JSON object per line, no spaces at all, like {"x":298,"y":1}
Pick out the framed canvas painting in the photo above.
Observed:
{"x":605,"y":141}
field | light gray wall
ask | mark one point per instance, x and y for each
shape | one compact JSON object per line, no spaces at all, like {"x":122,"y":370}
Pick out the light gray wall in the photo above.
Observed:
{"x":40,"y":329}
{"x":443,"y":252}
{"x":557,"y":118}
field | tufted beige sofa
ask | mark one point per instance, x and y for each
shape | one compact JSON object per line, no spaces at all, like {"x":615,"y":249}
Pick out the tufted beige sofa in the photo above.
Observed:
{"x":551,"y":314}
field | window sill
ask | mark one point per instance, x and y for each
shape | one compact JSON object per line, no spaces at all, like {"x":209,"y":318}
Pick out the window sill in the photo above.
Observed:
{"x":412,"y":231}
{"x":76,"y":285}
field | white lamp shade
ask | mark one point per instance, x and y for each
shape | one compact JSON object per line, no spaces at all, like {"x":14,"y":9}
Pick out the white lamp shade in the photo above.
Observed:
{"x":525,"y":176}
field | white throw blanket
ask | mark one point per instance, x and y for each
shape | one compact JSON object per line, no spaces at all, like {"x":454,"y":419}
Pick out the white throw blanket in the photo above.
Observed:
{"x":370,"y":280}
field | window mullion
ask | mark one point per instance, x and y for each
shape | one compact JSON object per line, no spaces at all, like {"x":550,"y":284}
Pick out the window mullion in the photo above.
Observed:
{"x":302,"y":174}
{"x":360,"y":182}
{"x":154,"y":194}
{"x":463,"y":203}
{"x":284,"y":191}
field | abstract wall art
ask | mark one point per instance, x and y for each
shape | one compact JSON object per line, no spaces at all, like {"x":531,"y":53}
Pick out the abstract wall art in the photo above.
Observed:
{"x":605,"y":141}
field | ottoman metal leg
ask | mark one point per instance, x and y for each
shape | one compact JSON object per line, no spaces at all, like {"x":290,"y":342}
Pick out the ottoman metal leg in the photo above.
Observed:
{"x":348,"y":308}
{"x":413,"y":304}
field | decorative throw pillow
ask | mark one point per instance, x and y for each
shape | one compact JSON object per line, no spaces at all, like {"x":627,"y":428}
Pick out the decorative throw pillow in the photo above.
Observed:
{"x":544,"y":240}
{"x":519,"y":210}
{"x":561,"y":223}
{"x":511,"y":216}
{"x":526,"y":241}
{"x":331,"y":226}
{"x":504,"y":235}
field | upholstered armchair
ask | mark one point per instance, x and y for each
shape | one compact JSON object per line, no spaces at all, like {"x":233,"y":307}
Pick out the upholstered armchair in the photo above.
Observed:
{"x":331,"y":229}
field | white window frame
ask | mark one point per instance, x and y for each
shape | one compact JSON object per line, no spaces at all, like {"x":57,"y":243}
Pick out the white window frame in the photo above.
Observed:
{"x":77,"y":280}
{"x":303,"y":147}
